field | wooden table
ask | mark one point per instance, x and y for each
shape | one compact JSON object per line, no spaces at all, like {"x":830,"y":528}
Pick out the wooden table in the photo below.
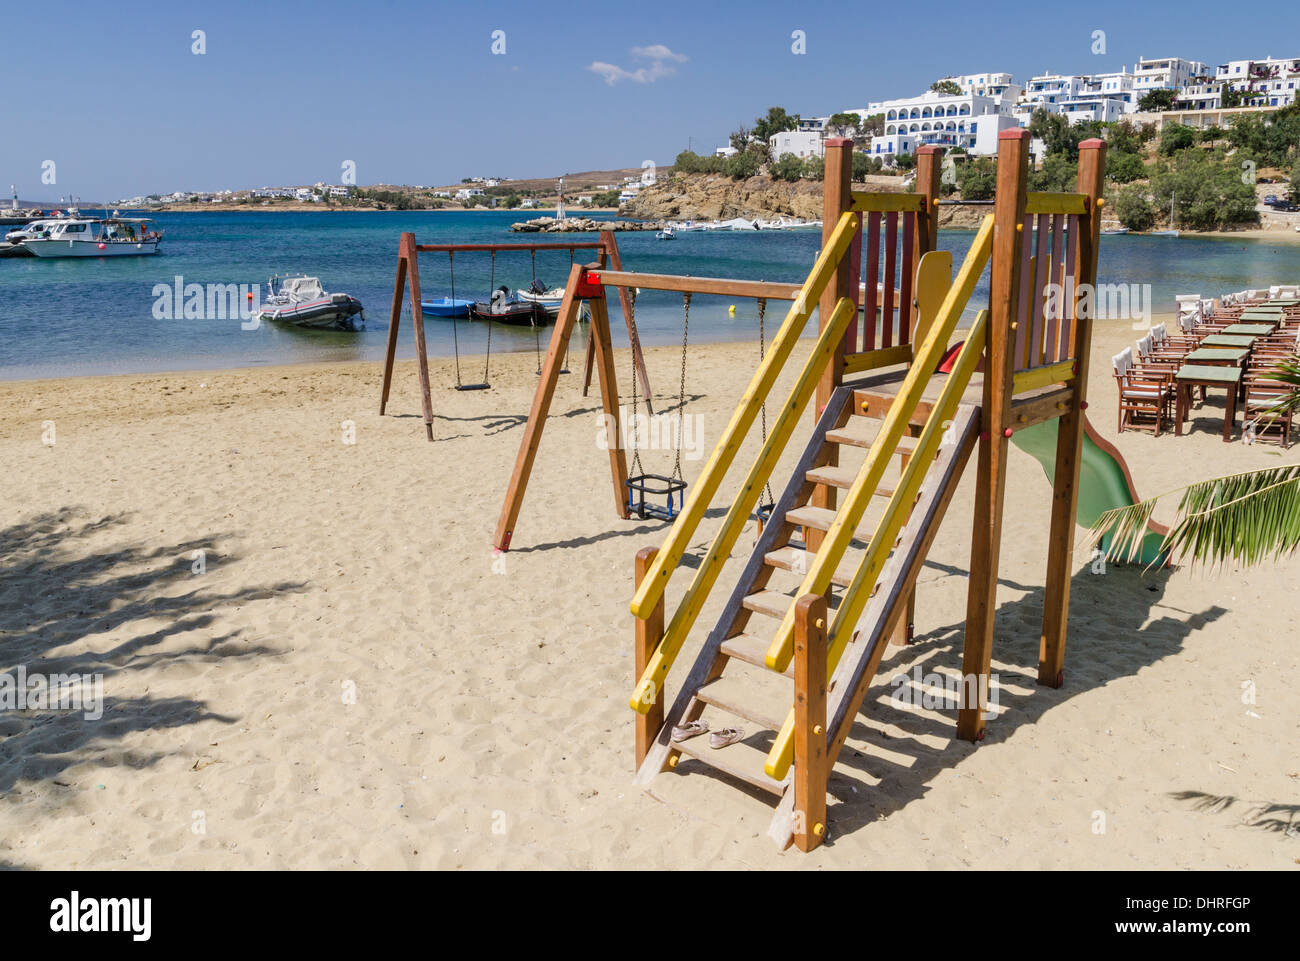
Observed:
{"x":1198,"y":375}
{"x":1220,"y":357}
{"x":1229,"y":340}
{"x":1255,"y":330}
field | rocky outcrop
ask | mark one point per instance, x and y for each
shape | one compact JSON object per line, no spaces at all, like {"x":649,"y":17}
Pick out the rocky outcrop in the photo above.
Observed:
{"x":574,"y":225}
{"x":717,"y":197}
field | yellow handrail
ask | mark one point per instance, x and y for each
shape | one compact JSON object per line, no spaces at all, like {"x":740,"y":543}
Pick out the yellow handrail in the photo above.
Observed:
{"x":836,"y":541}
{"x":887,"y":529}
{"x":652,"y":586}
{"x":651,"y":681}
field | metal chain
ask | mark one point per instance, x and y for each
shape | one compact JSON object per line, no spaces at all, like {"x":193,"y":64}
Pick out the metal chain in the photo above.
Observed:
{"x":762,"y":311}
{"x":636,"y":470}
{"x":681,"y":390}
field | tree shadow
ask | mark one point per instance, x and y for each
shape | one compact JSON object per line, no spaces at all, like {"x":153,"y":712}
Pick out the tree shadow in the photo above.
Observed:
{"x":1272,"y":817}
{"x":867,"y":786}
{"x":57,"y":594}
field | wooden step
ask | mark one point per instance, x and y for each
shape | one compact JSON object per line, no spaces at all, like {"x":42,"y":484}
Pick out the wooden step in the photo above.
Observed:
{"x":800,"y":561}
{"x":818,"y":518}
{"x":764,"y":701}
{"x":740,"y":760}
{"x":862,"y":431}
{"x":771,"y":603}
{"x":752,"y":650}
{"x":841,"y":477}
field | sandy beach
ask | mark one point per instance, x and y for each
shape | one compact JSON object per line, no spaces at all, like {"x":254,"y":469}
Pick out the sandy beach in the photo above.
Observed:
{"x":312,"y":658}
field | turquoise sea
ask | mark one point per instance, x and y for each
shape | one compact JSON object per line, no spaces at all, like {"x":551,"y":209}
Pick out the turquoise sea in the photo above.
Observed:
{"x":74,"y":317}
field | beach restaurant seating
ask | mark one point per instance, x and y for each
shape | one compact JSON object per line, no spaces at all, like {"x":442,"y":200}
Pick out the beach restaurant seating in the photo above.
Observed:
{"x":1144,"y":395}
{"x":1262,"y":394}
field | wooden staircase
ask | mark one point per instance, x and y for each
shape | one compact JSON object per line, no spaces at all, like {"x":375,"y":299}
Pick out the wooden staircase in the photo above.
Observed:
{"x":731,"y":683}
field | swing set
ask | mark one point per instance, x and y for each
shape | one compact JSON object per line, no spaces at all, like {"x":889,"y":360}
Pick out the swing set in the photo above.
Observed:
{"x":635,"y":491}
{"x":408,"y":268}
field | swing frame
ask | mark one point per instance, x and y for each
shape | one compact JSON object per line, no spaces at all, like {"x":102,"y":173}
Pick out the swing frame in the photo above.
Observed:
{"x":408,"y":267}
{"x":589,"y":283}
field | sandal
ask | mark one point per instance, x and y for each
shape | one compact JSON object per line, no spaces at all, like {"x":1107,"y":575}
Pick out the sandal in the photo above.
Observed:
{"x":684,"y":732}
{"x":725,"y":736}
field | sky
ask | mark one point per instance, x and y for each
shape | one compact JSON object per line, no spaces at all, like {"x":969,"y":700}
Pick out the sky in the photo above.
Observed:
{"x":285,"y":93}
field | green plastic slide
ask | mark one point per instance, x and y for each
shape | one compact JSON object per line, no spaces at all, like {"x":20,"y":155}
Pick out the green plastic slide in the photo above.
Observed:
{"x":1104,"y":480}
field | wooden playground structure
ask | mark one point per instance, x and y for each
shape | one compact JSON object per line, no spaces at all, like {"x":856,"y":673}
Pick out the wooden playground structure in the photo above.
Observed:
{"x":795,"y":661}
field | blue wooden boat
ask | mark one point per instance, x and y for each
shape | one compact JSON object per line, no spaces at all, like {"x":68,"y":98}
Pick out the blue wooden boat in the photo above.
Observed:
{"x":446,"y":307}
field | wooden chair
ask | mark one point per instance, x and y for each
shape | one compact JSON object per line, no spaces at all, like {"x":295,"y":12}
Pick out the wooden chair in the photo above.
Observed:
{"x":1261,"y":395}
{"x":1144,"y":395}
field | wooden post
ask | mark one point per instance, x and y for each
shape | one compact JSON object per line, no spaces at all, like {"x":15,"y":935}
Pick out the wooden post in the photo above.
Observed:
{"x":837,"y":200}
{"x":399,"y":288}
{"x":929,"y":164}
{"x":810,"y":768}
{"x":610,"y":253}
{"x":649,"y":633}
{"x":600,"y":336}
{"x":537,"y":415}
{"x":1069,"y":431}
{"x":991,"y":479}
{"x":417,"y":322}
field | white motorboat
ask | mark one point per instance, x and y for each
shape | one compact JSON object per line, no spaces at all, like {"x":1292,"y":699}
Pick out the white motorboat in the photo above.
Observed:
{"x":547,"y":300}
{"x":109,"y":237}
{"x":300,"y":300}
{"x":31,"y":231}
{"x":666,"y":234}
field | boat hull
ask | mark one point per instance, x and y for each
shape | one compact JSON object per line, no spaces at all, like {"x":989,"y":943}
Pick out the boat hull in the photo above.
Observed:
{"x":327,"y":313}
{"x":446,"y":307}
{"x":90,"y":248}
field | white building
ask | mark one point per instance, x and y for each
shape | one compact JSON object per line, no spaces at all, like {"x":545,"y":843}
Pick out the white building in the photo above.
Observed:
{"x":1164,"y":73}
{"x":725,"y":152}
{"x":801,"y":143}
{"x":340,"y":192}
{"x":998,"y":86}
{"x":1266,"y":83}
{"x":464,"y":193}
{"x":970,"y":121}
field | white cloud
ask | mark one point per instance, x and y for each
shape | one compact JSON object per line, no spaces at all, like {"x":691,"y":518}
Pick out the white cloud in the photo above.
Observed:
{"x":657,"y":54}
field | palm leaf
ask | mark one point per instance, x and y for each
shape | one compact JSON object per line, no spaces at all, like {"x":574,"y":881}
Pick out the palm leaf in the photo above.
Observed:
{"x":1245,"y":518}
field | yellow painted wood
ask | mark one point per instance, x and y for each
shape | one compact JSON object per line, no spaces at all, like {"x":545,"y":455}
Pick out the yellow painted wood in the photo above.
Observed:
{"x":1060,"y":373}
{"x":875,"y":359}
{"x":655,"y":582}
{"x":854,"y":600}
{"x":883,"y":203}
{"x":837,"y":538}
{"x":652,"y":678}
{"x":933,"y":278}
{"x":1045,"y":203}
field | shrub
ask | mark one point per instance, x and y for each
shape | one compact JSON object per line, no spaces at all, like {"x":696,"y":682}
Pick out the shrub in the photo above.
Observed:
{"x":978,"y":179}
{"x":1125,"y":167}
{"x":787,"y":167}
{"x":1133,"y":209}
{"x":814,"y":168}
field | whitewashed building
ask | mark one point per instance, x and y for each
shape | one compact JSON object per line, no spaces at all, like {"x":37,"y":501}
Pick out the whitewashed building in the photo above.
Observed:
{"x":1164,"y":73}
{"x":801,"y":143}
{"x":997,"y":86}
{"x":969,"y":121}
{"x":1269,"y":82}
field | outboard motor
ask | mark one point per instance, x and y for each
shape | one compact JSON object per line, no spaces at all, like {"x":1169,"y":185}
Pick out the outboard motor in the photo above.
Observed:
{"x":500,"y":295}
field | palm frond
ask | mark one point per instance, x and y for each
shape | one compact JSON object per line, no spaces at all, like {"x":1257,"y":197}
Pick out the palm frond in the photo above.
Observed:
{"x":1246,"y":518}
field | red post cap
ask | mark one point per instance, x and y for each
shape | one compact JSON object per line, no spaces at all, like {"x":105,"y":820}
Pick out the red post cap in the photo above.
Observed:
{"x":838,"y":142}
{"x":1018,"y":133}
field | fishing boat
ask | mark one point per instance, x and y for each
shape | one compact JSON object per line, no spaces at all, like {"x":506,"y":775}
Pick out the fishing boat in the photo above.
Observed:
{"x":666,"y":234}
{"x":447,"y":307}
{"x":507,"y":308}
{"x":1115,"y":227}
{"x":107,"y":237}
{"x":300,"y":300}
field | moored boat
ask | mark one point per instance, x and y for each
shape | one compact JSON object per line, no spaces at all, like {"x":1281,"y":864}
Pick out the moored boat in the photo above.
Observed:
{"x":109,"y":237}
{"x":447,"y":307}
{"x":507,"y":308}
{"x":300,"y":300}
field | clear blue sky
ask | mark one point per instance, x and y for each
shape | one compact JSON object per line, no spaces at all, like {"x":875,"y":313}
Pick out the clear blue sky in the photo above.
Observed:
{"x":412,"y":92}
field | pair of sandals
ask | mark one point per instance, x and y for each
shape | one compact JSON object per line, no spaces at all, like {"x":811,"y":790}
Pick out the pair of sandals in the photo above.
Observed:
{"x":717,"y":739}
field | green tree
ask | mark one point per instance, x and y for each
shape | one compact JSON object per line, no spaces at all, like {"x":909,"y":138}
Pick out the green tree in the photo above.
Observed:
{"x":608,"y":198}
{"x":744,"y":164}
{"x":787,"y":167}
{"x":1206,"y":189}
{"x":1125,"y":167}
{"x":1133,"y":208}
{"x":1157,"y":100}
{"x":904,"y":161}
{"x":873,"y":125}
{"x":1295,"y":184}
{"x":1123,"y":137}
{"x":977,"y":179}
{"x":946,"y":86}
{"x":846,"y":124}
{"x":776,"y":121}
{"x":1058,"y":135}
{"x":1175,"y":137}
{"x":1056,"y":174}
{"x":864,"y":165}
{"x":814,"y":168}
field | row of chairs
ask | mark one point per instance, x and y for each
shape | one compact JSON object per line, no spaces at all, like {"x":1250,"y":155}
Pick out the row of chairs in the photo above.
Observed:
{"x":1147,"y":381}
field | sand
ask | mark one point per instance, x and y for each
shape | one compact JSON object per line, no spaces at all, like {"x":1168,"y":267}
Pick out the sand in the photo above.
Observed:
{"x":353,"y":680}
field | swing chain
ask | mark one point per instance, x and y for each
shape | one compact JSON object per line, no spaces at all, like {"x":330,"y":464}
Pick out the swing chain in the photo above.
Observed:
{"x":636,"y":470}
{"x":681,"y":391}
